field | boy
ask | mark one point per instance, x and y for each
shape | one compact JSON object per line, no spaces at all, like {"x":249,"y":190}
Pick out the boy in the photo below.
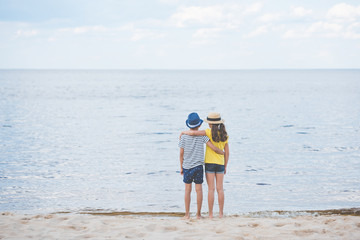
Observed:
{"x":192,"y":161}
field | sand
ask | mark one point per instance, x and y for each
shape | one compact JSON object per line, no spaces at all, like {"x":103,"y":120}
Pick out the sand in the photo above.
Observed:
{"x":85,"y":226}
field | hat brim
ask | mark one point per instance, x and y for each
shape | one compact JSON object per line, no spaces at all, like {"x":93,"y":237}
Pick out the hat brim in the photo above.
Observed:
{"x":193,"y":126}
{"x":214,"y":122}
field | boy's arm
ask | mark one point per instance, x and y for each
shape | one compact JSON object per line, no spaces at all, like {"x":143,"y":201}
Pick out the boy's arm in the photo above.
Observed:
{"x":227,"y":153}
{"x":181,"y":160}
{"x":194,"y":133}
{"x":215,"y":149}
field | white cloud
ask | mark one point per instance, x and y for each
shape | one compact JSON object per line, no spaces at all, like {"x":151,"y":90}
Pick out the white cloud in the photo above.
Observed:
{"x":26,"y":33}
{"x":52,"y":39}
{"x":229,"y":16}
{"x":270,"y":17}
{"x":353,"y":31}
{"x":84,"y":29}
{"x":340,"y":21}
{"x":140,"y":34}
{"x":295,"y":34}
{"x":80,"y":30}
{"x":325,"y":27}
{"x":205,"y":36}
{"x":136,"y":33}
{"x":343,"y":12}
{"x":325,"y":30}
{"x":254,"y":8}
{"x":198,"y":15}
{"x":351,"y":35}
{"x":259,"y":31}
{"x":221,"y":25}
{"x":126,"y":27}
{"x":207,"y":33}
{"x":317,"y":29}
{"x":300,"y":12}
{"x":169,"y":1}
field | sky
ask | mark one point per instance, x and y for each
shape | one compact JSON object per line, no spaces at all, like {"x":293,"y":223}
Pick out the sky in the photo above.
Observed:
{"x":179,"y":34}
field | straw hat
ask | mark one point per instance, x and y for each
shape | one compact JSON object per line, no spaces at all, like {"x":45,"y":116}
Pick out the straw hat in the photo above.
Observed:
{"x":214,"y":118}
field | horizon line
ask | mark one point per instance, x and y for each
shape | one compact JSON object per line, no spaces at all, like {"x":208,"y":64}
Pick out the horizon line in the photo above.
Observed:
{"x":171,"y":69}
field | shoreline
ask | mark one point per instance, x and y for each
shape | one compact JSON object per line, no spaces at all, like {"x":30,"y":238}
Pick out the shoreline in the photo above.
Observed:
{"x":274,"y":213}
{"x":137,"y":226}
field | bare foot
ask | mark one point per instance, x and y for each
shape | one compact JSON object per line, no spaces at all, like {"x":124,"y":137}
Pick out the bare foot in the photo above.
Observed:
{"x":211,"y":216}
{"x":186,"y":217}
{"x":198,"y":216}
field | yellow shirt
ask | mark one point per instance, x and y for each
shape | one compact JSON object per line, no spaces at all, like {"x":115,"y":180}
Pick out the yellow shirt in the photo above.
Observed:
{"x":210,"y":155}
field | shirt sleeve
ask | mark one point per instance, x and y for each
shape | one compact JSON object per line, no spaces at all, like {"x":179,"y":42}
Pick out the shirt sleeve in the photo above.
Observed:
{"x":182,"y":142}
{"x":205,"y":139}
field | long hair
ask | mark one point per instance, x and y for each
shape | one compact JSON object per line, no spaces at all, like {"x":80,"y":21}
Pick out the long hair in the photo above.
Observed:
{"x":218,"y":132}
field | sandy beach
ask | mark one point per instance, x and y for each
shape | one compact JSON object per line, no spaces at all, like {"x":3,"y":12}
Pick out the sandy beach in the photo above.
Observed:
{"x":85,"y":226}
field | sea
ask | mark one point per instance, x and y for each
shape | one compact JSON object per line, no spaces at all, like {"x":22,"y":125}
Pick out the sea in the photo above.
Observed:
{"x":107,"y":140}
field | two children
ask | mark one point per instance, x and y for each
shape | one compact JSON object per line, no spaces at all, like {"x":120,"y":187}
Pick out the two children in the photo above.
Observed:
{"x":192,"y":160}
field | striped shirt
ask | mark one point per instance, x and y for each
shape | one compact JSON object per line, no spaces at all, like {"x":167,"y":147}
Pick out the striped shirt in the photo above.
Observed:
{"x":193,"y":150}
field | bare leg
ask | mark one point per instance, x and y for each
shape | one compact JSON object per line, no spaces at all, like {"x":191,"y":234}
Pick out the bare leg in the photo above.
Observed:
{"x":210,"y":178}
{"x":220,"y":192}
{"x":187,"y":200}
{"x":199,"y":195}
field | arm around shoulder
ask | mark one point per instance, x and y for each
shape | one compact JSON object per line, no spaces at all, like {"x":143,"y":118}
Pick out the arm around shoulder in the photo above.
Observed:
{"x":194,"y":132}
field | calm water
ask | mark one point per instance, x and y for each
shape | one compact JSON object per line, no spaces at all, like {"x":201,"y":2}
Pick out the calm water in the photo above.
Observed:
{"x":75,"y":140}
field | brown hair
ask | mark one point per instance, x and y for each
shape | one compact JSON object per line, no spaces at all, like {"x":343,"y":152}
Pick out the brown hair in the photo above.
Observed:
{"x":218,"y":132}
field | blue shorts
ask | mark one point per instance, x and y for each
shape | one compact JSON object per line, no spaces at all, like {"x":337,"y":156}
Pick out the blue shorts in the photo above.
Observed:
{"x":214,"y":168}
{"x":195,"y":174}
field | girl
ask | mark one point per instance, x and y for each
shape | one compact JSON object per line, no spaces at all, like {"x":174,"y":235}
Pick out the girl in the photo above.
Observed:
{"x":215,"y":164}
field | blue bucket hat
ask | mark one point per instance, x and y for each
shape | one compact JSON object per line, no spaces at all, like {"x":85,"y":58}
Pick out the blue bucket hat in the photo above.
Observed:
{"x":193,"y":120}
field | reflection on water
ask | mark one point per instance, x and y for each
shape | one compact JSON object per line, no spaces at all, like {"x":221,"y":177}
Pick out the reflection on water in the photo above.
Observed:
{"x":72,"y":140}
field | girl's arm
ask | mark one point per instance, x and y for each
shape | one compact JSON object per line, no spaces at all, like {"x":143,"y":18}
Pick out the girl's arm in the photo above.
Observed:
{"x":194,"y":133}
{"x":215,"y":149}
{"x":227,"y":153}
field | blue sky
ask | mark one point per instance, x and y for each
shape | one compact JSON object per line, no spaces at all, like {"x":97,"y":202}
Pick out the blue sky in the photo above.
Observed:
{"x":174,"y":34}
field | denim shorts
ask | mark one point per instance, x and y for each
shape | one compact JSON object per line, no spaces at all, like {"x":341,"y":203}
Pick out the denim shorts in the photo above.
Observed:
{"x":214,"y":168}
{"x":195,"y":174}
